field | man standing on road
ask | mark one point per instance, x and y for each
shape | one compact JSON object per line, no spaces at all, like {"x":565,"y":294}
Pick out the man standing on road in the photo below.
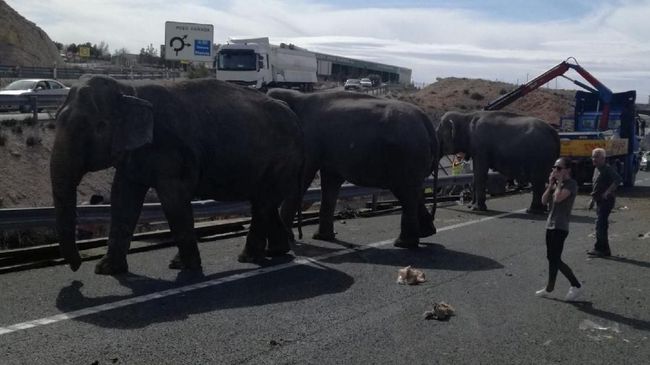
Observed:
{"x":605,"y":182}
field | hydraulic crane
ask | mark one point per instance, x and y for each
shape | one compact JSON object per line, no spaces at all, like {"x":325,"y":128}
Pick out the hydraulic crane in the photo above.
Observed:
{"x":601,"y":119}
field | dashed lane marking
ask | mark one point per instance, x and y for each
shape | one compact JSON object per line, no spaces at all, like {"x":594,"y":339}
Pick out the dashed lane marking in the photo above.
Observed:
{"x":205,"y":284}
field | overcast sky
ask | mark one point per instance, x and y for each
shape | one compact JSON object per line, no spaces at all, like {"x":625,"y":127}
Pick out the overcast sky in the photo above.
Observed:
{"x":505,"y":40}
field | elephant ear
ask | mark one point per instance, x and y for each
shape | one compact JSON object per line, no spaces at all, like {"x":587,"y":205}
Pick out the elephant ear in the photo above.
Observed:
{"x":136,"y":126}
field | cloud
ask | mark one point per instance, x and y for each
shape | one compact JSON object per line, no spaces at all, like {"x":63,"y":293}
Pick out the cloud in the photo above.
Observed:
{"x":608,"y":38}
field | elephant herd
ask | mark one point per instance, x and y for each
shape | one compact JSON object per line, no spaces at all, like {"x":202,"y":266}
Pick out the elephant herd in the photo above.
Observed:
{"x":214,"y":140}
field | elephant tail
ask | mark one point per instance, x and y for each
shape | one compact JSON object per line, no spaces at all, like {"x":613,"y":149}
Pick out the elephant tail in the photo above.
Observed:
{"x":302,"y":196}
{"x":434,"y":207}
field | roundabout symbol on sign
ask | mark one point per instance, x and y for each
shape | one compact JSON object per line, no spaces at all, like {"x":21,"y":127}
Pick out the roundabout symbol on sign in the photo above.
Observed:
{"x":178,"y":43}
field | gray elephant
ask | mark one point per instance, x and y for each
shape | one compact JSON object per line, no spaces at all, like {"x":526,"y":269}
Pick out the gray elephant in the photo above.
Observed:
{"x":370,"y":142}
{"x":519,"y":147}
{"x":203,"y":138}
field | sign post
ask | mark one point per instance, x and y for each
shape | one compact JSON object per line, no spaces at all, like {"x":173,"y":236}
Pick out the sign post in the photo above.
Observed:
{"x":188,"y":41}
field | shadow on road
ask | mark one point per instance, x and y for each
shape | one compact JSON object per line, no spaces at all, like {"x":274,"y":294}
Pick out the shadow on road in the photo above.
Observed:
{"x":287,"y":285}
{"x":628,"y":261}
{"x":588,"y":308}
{"x":427,"y":256}
{"x":634,"y":192}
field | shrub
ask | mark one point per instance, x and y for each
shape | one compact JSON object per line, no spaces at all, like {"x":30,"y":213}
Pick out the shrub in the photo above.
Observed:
{"x":477,"y":96}
{"x":466,"y":92}
{"x":198,"y":72}
{"x":31,"y":141}
{"x":503,"y":92}
{"x":3,"y":139}
{"x":17,"y":129}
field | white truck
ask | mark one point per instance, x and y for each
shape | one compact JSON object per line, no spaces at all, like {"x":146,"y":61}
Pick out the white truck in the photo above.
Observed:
{"x":257,"y":63}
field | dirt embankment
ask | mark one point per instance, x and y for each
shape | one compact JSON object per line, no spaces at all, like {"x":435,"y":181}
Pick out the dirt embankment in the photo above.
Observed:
{"x":461,"y":94}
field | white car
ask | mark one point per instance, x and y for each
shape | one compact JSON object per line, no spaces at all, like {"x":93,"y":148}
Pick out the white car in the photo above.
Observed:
{"x":365,"y":82}
{"x":32,"y":87}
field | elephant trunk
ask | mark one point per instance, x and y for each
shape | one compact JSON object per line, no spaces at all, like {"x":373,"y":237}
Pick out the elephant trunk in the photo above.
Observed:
{"x":65,"y":173}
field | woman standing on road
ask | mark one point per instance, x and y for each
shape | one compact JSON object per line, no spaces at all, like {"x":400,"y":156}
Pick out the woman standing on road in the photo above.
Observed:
{"x":560,"y":193}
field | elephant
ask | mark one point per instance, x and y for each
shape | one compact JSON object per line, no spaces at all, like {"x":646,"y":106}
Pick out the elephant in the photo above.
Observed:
{"x":199,"y":138}
{"x":369,"y":142}
{"x":519,"y":147}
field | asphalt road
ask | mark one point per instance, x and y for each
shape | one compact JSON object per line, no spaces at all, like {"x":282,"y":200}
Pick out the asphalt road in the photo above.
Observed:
{"x":339,"y":303}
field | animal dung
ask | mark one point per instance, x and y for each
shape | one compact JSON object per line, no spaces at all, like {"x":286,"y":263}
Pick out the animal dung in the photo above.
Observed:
{"x":410,"y":276}
{"x":441,"y":312}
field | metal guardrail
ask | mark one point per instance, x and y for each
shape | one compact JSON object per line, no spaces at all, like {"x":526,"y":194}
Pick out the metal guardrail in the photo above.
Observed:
{"x":7,"y":71}
{"x":23,"y":218}
{"x":34,"y":101}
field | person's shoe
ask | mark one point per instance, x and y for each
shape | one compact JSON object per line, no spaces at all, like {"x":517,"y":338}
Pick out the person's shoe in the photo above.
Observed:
{"x":542,"y":293}
{"x":573,"y":294}
{"x":599,"y":253}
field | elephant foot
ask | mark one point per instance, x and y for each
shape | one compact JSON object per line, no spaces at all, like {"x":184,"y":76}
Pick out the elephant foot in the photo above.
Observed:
{"x":479,"y":207}
{"x":192,"y":263}
{"x":278,"y":249}
{"x":536,"y":210}
{"x":410,"y":243}
{"x":277,"y":253}
{"x":248,"y":258}
{"x":324,"y":236}
{"x":428,"y":230}
{"x":111,"y":266}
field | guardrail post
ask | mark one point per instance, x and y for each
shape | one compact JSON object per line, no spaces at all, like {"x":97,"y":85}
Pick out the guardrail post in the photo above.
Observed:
{"x":373,"y":204}
{"x":34,"y":104}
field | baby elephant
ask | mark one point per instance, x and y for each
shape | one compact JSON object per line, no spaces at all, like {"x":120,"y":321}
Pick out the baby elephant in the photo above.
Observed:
{"x":370,"y":142}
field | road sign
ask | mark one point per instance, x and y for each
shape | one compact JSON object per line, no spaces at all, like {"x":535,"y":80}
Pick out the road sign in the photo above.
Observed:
{"x":188,"y":41}
{"x":84,"y":52}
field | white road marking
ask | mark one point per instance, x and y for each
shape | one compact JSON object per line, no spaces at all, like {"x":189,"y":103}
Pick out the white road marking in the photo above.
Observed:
{"x":205,"y":284}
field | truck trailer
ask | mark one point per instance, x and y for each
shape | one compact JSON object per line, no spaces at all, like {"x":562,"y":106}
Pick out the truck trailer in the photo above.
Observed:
{"x":257,"y":63}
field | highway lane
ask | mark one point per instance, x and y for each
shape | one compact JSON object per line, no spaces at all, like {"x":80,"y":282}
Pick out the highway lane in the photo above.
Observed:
{"x":339,"y":303}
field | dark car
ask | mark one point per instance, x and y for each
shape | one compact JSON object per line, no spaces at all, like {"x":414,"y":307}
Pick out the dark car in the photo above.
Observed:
{"x":352,"y":84}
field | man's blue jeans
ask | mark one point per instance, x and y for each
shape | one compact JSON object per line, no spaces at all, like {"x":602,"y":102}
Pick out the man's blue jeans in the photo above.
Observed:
{"x":603,"y":208}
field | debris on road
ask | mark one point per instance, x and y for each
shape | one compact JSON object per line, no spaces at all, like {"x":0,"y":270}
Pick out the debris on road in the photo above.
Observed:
{"x":441,"y":312}
{"x":410,"y":276}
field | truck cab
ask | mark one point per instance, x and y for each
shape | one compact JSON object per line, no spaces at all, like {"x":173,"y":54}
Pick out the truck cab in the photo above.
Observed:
{"x":257,"y":63}
{"x":244,"y":63}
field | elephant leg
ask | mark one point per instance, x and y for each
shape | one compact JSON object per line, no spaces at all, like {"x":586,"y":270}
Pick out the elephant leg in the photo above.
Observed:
{"x":330,"y":185}
{"x":480,"y":184}
{"x":291,"y":205}
{"x":176,"y":204}
{"x":254,"y":250}
{"x":126,"y":204}
{"x":536,"y":206}
{"x":410,"y":198}
{"x":427,"y":228}
{"x":278,"y":235}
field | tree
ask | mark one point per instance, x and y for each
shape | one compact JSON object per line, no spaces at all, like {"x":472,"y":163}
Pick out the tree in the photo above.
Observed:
{"x":120,"y":57}
{"x":148,"y":55}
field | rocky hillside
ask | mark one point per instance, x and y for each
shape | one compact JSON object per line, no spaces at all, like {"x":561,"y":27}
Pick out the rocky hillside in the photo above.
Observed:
{"x":22,"y":43}
{"x":461,"y":94}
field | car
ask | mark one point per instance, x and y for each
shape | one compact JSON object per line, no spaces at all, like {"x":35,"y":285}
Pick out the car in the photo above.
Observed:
{"x":32,"y":87}
{"x":352,"y":84}
{"x":365,"y":83}
{"x":645,"y":156}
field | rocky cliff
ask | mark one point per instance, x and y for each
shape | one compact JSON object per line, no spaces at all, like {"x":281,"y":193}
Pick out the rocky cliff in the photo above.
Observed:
{"x":22,"y":43}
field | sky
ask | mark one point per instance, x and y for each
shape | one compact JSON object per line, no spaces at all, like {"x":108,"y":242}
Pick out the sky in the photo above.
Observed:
{"x":505,"y":40}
